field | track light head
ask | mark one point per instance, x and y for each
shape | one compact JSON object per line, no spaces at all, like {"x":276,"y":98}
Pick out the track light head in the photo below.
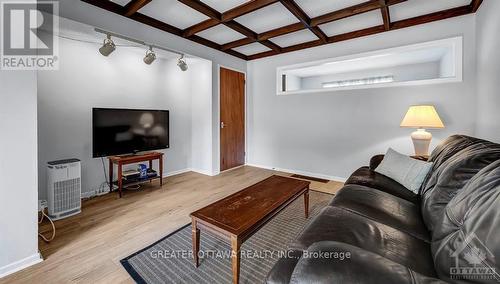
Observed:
{"x":108,"y":46}
{"x":150,"y":56}
{"x":182,"y":63}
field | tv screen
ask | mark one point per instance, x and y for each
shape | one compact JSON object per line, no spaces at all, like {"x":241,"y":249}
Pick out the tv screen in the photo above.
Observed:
{"x":125,"y":131}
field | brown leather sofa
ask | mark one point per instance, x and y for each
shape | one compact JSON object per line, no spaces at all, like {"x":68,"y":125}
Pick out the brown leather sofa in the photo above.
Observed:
{"x":395,"y":236}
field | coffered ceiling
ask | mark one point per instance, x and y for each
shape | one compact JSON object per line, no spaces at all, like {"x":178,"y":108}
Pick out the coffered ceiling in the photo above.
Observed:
{"x":260,"y":28}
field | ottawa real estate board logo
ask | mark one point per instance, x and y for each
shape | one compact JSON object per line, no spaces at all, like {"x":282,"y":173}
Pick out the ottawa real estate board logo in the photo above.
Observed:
{"x":473,"y":261}
{"x":29,"y":35}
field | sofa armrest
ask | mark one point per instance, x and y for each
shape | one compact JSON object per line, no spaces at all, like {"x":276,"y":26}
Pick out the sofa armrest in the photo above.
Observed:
{"x":375,"y":161}
{"x":361,"y":267}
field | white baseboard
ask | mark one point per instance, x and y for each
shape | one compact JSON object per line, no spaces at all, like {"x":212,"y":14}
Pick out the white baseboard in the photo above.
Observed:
{"x":203,"y":172}
{"x":174,"y":173}
{"x":20,"y":264}
{"x":299,"y":172}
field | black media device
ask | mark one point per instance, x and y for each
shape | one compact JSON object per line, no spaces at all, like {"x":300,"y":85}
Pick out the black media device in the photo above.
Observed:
{"x":126,"y":131}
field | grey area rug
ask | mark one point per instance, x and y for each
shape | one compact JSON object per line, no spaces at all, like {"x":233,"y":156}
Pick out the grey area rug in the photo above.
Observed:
{"x":169,"y":260}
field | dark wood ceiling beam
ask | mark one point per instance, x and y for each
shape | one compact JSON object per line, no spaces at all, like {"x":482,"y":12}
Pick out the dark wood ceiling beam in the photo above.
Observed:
{"x":437,"y":16}
{"x":236,"y":43}
{"x":216,"y":16}
{"x":263,"y":38}
{"x":250,"y":34}
{"x":271,"y":45}
{"x":329,"y":17}
{"x":194,"y":29}
{"x":352,"y":11}
{"x":228,"y":16}
{"x":202,"y":8}
{"x":141,"y":18}
{"x":475,"y":4}
{"x":134,"y":6}
{"x":241,"y":29}
{"x":246,"y":8}
{"x":281,"y":31}
{"x":385,"y":14}
{"x":303,"y":18}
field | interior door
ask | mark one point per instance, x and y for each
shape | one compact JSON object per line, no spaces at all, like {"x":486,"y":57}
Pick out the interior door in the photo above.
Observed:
{"x":232,"y":119}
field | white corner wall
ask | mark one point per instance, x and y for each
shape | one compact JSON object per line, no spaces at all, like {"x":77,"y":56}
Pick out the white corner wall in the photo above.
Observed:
{"x":87,"y":79}
{"x":331,"y":134}
{"x":488,"y":70}
{"x":18,"y":172}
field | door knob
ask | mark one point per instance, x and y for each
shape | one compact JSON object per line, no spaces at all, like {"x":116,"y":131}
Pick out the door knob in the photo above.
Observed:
{"x":222,"y":124}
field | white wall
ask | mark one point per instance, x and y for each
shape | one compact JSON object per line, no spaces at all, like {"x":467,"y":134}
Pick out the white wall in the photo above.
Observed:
{"x":331,"y":134}
{"x":86,"y":13}
{"x":488,"y":70}
{"x":18,"y":172}
{"x":201,"y":117}
{"x":87,"y":79}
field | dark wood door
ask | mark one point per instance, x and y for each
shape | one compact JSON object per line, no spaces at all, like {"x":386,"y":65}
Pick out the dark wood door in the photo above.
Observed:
{"x":232,"y":119}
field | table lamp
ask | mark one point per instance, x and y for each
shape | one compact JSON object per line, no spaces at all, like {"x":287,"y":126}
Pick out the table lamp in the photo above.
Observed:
{"x":422,"y":117}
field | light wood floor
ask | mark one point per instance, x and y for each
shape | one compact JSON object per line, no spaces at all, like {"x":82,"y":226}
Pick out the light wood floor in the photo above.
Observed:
{"x":88,"y":247}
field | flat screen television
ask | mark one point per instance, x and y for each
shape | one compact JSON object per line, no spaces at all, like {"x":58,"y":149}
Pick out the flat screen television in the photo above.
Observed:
{"x":126,"y":131}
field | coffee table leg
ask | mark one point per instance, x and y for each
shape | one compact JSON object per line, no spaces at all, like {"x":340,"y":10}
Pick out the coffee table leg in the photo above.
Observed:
{"x":306,"y":203}
{"x":235,"y":258}
{"x":196,"y":242}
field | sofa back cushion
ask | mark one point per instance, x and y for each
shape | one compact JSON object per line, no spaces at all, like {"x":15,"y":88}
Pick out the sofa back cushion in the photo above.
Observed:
{"x":449,"y":147}
{"x":467,"y":242}
{"x":453,"y":173}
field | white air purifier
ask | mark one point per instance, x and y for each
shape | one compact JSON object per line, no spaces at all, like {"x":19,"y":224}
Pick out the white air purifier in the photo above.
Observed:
{"x":64,"y":188}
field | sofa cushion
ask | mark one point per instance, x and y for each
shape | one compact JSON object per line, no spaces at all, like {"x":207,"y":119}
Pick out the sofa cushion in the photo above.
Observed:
{"x":361,"y":267}
{"x":469,"y":230}
{"x":283,"y":269}
{"x":367,"y":177}
{"x":341,"y":225}
{"x":448,"y":148}
{"x":384,"y":208}
{"x":449,"y":178}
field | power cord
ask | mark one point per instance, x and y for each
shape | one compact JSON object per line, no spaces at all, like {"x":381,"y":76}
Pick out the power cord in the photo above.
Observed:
{"x":41,"y":208}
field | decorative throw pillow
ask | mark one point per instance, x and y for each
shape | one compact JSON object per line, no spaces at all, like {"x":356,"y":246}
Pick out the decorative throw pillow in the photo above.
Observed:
{"x":407,"y":171}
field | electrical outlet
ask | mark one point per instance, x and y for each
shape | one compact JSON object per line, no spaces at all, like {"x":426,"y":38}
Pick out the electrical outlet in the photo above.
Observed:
{"x":42,"y":204}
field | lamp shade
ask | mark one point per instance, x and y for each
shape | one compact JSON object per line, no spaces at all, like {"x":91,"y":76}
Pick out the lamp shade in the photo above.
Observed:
{"x":422,"y":117}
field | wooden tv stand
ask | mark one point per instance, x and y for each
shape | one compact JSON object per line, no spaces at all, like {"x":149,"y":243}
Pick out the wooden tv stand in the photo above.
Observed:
{"x":120,"y":161}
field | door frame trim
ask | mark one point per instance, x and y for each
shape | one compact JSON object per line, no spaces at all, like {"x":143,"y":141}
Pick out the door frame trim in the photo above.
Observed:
{"x":219,"y":66}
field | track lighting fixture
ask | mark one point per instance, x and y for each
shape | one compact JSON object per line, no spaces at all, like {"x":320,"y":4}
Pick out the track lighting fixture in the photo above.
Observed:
{"x":108,"y":46}
{"x":182,"y":63}
{"x":150,"y":56}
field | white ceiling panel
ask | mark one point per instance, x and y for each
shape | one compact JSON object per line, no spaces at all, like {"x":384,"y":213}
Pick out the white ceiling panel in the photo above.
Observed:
{"x":268,"y":18}
{"x":121,"y":2}
{"x":354,"y":23}
{"x":173,"y":12}
{"x":221,"y":34}
{"x":252,"y":48}
{"x":413,"y":8}
{"x":294,"y":38}
{"x":314,"y":8}
{"x":224,"y":5}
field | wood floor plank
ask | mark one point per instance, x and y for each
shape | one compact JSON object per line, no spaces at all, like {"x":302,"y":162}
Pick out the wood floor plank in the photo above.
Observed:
{"x":88,"y":247}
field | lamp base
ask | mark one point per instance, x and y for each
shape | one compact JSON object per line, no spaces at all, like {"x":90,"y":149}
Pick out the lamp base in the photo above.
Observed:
{"x":421,"y":142}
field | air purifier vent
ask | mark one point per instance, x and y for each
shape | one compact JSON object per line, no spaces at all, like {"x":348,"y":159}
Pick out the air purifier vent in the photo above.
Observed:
{"x":64,"y":188}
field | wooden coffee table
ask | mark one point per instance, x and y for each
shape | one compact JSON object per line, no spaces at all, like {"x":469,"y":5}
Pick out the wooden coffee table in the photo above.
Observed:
{"x":241,"y":214}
